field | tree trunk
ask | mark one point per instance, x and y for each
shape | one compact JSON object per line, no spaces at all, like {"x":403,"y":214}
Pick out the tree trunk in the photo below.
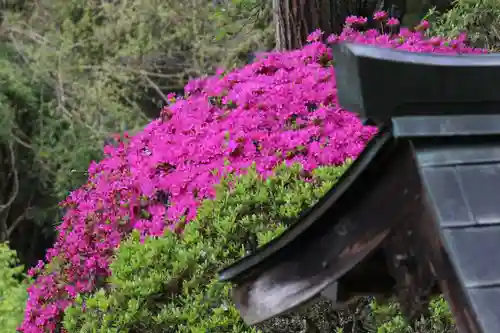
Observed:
{"x":296,"y":19}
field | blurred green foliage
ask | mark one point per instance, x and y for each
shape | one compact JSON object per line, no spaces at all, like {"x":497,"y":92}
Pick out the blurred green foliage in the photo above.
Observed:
{"x":13,"y":293}
{"x":480,"y":19}
{"x":74,"y":72}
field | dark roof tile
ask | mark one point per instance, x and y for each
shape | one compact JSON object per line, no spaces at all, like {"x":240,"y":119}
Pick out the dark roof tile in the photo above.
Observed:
{"x":485,"y":302}
{"x":448,"y":197}
{"x":481,"y":185}
{"x":474,"y":253}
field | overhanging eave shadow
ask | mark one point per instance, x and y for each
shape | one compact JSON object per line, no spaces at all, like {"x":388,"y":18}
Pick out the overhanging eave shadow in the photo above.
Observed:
{"x":332,"y":237}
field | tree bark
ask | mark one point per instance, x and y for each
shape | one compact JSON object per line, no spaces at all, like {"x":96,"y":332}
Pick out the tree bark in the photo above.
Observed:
{"x":296,"y":19}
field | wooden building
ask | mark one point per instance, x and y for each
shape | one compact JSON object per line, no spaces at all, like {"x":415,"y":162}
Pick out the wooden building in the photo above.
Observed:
{"x":418,"y":212}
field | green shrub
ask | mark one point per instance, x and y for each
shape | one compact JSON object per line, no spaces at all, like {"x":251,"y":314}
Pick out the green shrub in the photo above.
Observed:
{"x":480,"y":19}
{"x":388,"y":319}
{"x":13,"y":293}
{"x":169,"y":285}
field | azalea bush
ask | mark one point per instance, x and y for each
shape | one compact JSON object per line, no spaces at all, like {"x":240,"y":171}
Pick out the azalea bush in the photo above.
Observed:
{"x":280,"y":109}
{"x":169,"y":283}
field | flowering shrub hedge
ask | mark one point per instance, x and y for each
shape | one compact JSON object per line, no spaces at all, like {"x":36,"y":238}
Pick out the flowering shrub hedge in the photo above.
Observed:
{"x":281,"y":108}
{"x":168,"y":284}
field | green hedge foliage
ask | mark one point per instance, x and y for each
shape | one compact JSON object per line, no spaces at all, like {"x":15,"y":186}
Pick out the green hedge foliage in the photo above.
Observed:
{"x":386,"y":318}
{"x":169,"y":284}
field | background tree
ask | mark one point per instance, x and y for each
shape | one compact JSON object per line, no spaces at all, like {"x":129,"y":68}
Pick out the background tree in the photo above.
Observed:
{"x":295,"y":19}
{"x":479,"y":18}
{"x":72,"y":73}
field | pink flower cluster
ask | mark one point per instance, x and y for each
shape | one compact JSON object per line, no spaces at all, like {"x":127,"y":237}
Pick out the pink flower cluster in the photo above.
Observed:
{"x":281,"y":108}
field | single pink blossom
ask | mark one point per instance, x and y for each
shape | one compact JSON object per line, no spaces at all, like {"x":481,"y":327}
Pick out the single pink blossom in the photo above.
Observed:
{"x":380,"y":15}
{"x":393,"y":22}
{"x":315,"y":36}
{"x":362,"y":20}
{"x":351,"y":20}
{"x":423,"y":26}
{"x":332,"y":39}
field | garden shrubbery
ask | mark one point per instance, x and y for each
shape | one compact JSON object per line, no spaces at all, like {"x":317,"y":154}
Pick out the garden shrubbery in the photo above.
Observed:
{"x":281,"y":109}
{"x":168,"y":284}
{"x":387,"y":318}
{"x":13,"y":293}
{"x":480,"y":19}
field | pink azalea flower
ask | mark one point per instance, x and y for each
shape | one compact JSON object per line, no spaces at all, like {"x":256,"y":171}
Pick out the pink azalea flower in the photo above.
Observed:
{"x":392,"y":22}
{"x":315,"y":36}
{"x":380,"y":15}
